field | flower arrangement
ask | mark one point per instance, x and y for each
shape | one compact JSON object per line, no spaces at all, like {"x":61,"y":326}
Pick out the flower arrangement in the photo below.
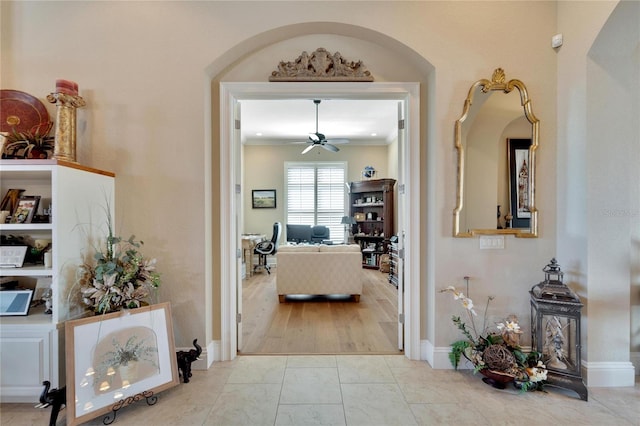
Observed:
{"x":118,"y":277}
{"x":495,"y":353}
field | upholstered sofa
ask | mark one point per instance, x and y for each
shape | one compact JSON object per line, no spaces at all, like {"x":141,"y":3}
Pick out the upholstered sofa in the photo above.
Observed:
{"x":319,"y":270}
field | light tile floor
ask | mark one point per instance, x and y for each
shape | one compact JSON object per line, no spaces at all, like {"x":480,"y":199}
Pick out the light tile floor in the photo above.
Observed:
{"x":354,"y":390}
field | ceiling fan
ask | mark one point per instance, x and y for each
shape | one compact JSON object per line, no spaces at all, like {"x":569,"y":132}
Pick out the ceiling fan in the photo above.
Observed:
{"x":318,"y":139}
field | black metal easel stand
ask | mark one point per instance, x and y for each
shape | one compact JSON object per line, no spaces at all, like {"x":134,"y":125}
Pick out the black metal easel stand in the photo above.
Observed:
{"x":147,"y":395}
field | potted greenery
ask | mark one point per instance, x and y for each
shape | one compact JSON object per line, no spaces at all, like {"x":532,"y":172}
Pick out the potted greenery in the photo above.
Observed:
{"x":35,"y":143}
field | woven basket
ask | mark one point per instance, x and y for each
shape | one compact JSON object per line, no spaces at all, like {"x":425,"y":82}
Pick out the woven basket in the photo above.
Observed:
{"x":385,"y":263}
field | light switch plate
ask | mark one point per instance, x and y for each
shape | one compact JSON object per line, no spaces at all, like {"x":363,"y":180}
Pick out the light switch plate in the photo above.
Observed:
{"x":491,"y":242}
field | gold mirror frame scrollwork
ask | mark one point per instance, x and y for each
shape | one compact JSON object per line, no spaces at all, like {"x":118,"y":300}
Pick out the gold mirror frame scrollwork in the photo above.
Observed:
{"x":497,"y":83}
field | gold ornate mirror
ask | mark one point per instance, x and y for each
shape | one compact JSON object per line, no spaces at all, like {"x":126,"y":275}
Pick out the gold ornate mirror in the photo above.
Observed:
{"x":496,"y":138}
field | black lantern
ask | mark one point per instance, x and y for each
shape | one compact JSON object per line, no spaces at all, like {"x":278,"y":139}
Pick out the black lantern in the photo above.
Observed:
{"x":555,"y":330}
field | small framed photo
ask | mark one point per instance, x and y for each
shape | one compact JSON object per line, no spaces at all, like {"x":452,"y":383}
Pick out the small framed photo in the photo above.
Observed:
{"x":15,"y":302}
{"x":263,"y":198}
{"x":26,"y":208}
{"x":12,"y":256}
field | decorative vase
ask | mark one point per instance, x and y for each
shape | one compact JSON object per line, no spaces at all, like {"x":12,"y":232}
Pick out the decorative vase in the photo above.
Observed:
{"x":495,"y":378}
{"x":38,"y":153}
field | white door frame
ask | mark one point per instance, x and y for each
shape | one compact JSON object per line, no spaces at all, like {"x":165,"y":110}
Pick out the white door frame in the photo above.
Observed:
{"x":410,"y":188}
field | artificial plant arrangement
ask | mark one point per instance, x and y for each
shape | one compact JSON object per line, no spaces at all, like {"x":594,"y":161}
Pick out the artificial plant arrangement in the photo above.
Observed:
{"x":495,"y":352}
{"x":36,"y":143}
{"x":119,"y":276}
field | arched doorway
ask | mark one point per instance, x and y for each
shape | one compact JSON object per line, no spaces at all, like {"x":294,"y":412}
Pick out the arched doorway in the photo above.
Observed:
{"x":228,"y":94}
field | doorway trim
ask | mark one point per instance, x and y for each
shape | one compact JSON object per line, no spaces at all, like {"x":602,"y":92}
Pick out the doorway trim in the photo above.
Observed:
{"x":230,"y":181}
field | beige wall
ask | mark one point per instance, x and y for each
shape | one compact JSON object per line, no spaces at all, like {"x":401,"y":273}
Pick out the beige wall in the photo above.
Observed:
{"x":144,"y":75}
{"x":598,"y":190}
{"x":457,"y":65}
{"x":144,"y":69}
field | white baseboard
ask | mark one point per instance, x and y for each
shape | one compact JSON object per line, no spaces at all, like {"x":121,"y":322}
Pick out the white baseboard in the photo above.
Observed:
{"x":438,"y":357}
{"x":426,"y":352}
{"x":635,"y":360}
{"x":206,"y":357}
{"x":608,"y":374}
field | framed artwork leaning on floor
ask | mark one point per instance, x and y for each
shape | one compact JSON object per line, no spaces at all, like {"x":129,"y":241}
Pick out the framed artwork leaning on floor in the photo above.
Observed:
{"x":117,"y":356}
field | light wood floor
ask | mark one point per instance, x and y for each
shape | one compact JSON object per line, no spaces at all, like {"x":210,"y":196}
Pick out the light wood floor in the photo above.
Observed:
{"x":319,"y":325}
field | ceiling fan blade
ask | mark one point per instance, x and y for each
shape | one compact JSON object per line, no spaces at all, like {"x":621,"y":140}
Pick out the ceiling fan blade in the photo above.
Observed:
{"x":318,"y":138}
{"x":309,"y":148}
{"x":338,"y":141}
{"x":330,"y":147}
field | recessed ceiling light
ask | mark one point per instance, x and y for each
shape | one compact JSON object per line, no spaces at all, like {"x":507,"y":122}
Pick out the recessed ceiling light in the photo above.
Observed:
{"x":374,"y":134}
{"x":258,"y":134}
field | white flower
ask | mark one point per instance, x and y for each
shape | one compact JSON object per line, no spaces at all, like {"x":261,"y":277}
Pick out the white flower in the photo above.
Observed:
{"x":457,"y":295}
{"x":510,"y":327}
{"x":537,"y":373}
{"x":513,"y":326}
{"x":468,"y":304}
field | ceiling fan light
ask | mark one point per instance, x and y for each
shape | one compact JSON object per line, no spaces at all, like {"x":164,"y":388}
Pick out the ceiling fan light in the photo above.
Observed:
{"x":318,"y":138}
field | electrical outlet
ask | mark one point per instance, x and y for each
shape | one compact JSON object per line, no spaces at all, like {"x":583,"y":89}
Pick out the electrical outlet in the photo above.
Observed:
{"x":491,"y":242}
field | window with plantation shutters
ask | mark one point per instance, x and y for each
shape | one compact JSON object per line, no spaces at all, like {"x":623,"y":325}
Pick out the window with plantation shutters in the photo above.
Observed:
{"x":316,"y":195}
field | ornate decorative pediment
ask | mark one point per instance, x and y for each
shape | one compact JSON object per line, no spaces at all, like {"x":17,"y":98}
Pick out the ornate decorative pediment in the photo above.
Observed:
{"x":321,"y":65}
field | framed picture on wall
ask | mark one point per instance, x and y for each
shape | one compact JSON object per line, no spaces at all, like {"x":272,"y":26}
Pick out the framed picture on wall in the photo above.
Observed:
{"x":263,"y":198}
{"x":519,"y":173}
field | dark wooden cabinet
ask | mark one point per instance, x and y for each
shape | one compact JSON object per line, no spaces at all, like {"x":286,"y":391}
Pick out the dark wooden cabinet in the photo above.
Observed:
{"x":372,"y":207}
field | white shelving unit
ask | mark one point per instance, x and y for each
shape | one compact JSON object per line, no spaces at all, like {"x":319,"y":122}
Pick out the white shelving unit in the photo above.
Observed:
{"x":33,"y":345}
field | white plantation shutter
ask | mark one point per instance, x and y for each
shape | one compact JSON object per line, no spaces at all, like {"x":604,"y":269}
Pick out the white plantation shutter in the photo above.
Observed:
{"x":316,"y":194}
{"x":301,"y":195}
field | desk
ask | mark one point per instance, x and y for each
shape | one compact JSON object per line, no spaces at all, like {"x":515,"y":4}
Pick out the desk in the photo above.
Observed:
{"x":249,"y":242}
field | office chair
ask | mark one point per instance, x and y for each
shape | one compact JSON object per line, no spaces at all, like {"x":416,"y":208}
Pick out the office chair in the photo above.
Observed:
{"x":268,"y":248}
{"x":320,"y":233}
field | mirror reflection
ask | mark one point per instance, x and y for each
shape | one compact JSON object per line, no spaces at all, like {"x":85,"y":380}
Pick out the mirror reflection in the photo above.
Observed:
{"x":496,"y":138}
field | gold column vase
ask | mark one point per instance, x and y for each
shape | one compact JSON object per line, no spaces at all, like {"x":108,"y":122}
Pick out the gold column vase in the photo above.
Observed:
{"x":67,"y":103}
